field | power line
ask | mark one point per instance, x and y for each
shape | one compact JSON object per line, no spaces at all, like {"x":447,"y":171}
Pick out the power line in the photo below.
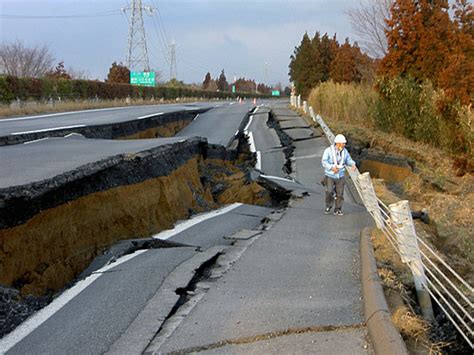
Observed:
{"x":26,"y":17}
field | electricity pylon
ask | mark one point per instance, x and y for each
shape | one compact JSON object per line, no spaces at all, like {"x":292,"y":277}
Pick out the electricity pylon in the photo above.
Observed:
{"x":137,"y":54}
{"x":173,"y":68}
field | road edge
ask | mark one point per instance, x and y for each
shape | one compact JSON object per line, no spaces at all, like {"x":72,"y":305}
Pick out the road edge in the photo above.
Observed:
{"x":385,"y":338}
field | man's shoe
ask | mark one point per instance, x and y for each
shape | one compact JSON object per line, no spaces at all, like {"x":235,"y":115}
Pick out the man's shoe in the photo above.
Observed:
{"x":338,"y":213}
{"x":327,"y":210}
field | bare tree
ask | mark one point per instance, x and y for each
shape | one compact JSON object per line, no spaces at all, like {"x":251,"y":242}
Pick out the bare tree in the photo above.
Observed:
{"x":368,"y":21}
{"x":18,"y":60}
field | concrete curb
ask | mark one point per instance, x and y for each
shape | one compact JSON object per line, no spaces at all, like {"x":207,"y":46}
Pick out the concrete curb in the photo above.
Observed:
{"x":384,"y":336}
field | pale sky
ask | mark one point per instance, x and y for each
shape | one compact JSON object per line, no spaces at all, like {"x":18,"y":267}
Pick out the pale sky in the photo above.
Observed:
{"x":210,"y":35}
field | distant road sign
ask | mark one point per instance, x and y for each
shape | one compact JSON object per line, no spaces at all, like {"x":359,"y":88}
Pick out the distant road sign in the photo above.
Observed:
{"x":276,"y":93}
{"x":233,"y":88}
{"x":142,"y":78}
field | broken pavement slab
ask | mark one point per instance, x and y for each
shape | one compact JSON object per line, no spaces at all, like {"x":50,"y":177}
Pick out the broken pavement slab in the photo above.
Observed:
{"x":282,"y":185}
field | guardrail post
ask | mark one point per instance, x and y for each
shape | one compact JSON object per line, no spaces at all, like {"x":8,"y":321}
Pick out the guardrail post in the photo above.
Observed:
{"x":299,"y":101}
{"x":410,"y":253}
{"x":369,"y":198}
{"x":305,"y":107}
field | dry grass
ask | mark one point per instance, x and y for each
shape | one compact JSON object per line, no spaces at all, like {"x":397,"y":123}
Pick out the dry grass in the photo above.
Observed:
{"x":397,"y":281}
{"x":345,"y":102}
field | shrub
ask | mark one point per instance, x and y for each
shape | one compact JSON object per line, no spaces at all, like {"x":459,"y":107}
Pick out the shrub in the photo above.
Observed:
{"x":6,"y":94}
{"x":407,"y":108}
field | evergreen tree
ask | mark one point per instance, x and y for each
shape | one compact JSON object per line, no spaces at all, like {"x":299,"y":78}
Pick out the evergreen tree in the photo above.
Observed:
{"x":222,"y":83}
{"x":59,"y":72}
{"x":207,"y":81}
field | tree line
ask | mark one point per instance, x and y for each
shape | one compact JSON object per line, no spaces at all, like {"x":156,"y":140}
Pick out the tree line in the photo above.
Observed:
{"x":241,"y":84}
{"x":422,"y":78}
{"x":322,"y":58}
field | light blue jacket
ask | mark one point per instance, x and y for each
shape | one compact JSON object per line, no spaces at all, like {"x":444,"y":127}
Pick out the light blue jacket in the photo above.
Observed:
{"x":328,"y":162}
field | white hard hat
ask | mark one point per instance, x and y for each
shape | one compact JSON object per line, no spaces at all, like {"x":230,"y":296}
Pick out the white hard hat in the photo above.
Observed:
{"x":340,"y":139}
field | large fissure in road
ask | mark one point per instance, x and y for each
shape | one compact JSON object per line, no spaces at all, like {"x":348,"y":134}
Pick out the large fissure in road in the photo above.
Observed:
{"x":52,"y":230}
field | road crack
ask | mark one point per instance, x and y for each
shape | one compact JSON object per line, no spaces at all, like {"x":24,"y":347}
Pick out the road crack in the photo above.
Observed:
{"x":267,"y":336}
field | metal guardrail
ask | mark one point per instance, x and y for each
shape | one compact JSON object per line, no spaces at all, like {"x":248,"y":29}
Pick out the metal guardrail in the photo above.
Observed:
{"x":434,"y":278}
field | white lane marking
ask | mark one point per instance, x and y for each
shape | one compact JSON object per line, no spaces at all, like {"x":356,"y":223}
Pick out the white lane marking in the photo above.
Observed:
{"x":152,"y":115}
{"x":193,"y":221}
{"x":258,"y":164}
{"x":277,"y":178}
{"x":28,"y":326}
{"x":231,"y":103}
{"x":253,"y":149}
{"x":236,"y":133}
{"x":196,"y":117}
{"x":36,"y":140}
{"x":66,"y":113}
{"x":248,"y":124}
{"x":256,"y":110}
{"x":47,"y":129}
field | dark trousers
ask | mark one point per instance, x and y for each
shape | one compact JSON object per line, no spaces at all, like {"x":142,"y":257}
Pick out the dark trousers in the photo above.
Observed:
{"x":335,"y":187}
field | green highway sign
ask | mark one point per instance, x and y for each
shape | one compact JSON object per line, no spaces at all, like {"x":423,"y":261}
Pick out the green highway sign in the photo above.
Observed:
{"x":233,"y":88}
{"x":142,"y":78}
{"x":276,"y":93}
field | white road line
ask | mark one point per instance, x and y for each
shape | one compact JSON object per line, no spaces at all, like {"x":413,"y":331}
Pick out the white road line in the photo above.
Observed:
{"x":258,"y":164}
{"x":65,"y":113}
{"x":152,"y":115}
{"x":196,"y":117}
{"x":193,"y":221}
{"x":248,"y":124}
{"x":47,"y":129}
{"x":253,"y":149}
{"x":36,"y":140}
{"x":13,"y":338}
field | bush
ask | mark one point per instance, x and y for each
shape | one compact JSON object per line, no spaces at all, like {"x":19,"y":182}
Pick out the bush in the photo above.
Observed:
{"x":6,"y":94}
{"x":407,"y":108}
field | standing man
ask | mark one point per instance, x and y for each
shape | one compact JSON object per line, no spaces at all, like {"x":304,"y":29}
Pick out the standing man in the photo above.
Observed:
{"x":334,"y":161}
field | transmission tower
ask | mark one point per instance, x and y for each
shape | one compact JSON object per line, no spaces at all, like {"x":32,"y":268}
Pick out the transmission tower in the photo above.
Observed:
{"x":266,"y":68}
{"x":173,"y":67}
{"x":137,"y":53}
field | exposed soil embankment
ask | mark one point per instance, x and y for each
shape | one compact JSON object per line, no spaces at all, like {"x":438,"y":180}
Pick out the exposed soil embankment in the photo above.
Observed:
{"x":51,"y":230}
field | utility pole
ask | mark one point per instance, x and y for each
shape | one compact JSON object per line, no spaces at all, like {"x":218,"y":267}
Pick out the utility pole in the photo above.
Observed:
{"x":173,"y":67}
{"x":137,"y":54}
{"x":266,"y":67}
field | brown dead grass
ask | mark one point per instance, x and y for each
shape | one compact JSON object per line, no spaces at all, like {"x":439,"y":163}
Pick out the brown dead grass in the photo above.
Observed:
{"x":397,"y":280}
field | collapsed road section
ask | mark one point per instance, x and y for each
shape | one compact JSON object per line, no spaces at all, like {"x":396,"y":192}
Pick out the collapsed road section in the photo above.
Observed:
{"x":52,"y":225}
{"x":158,"y":124}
